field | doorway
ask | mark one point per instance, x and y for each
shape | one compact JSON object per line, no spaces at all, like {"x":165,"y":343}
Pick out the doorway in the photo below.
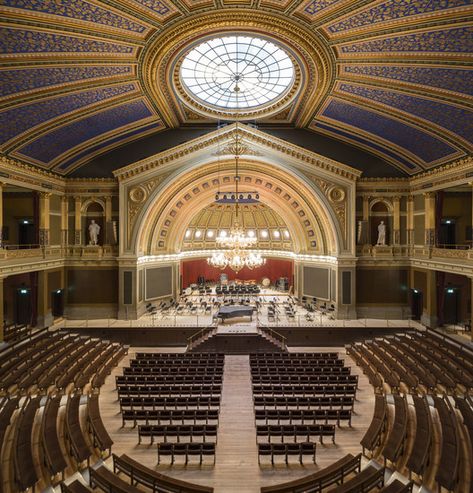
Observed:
{"x":447,"y":232}
{"x":23,"y":306}
{"x":57,"y":303}
{"x":451,"y":305}
{"x":416,"y":304}
{"x":26,"y":232}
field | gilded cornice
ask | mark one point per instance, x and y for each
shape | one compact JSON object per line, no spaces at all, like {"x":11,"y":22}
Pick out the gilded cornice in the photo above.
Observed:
{"x":254,"y":137}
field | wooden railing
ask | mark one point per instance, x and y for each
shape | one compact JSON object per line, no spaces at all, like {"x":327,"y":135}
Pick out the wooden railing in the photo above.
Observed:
{"x":191,"y":340}
{"x":279,"y":338}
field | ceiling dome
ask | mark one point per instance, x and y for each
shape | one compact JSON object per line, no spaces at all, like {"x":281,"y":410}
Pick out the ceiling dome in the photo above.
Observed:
{"x":256,"y":219}
{"x":233,"y":72}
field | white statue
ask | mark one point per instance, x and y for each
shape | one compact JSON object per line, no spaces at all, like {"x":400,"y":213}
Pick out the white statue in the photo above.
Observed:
{"x":94,"y":230}
{"x":381,"y":234}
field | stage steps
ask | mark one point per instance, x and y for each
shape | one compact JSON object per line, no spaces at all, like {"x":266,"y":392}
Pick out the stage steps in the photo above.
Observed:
{"x":238,"y":343}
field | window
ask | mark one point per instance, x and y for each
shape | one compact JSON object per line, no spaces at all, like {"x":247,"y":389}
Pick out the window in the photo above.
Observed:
{"x":260,"y":70}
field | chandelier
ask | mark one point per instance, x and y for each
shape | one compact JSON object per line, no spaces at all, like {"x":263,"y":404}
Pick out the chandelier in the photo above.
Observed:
{"x":236,"y":256}
{"x":236,"y":260}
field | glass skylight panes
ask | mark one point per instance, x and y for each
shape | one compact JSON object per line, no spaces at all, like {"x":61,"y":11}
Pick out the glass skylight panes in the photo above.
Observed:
{"x":261,"y":70}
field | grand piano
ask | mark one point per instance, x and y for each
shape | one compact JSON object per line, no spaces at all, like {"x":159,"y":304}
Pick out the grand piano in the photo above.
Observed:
{"x":234,"y":311}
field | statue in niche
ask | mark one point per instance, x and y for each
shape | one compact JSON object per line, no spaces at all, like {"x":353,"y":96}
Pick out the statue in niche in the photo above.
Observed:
{"x":94,"y":231}
{"x":381,"y":234}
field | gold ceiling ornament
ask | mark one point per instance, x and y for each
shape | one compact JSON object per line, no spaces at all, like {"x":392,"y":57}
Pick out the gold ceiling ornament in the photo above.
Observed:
{"x":310,"y":53}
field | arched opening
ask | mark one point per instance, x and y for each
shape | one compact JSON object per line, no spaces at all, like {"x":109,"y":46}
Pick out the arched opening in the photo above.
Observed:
{"x":381,"y":213}
{"x":93,"y":215}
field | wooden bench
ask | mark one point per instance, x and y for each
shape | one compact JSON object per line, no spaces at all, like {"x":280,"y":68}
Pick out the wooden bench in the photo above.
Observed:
{"x":372,"y":437}
{"x":53,"y":456}
{"x":75,"y":487}
{"x":101,"y":438}
{"x":78,"y":447}
{"x":368,"y":479}
{"x":109,"y":482}
{"x":419,"y":458}
{"x":397,"y":487}
{"x":320,"y":480}
{"x":159,"y":483}
{"x":396,"y":439}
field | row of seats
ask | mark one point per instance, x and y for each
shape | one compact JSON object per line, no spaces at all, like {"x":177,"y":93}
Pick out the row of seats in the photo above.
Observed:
{"x":304,"y":390}
{"x":127,"y":390}
{"x":427,"y":367}
{"x":293,"y":432}
{"x":309,"y":402}
{"x":52,"y":361}
{"x":179,"y":431}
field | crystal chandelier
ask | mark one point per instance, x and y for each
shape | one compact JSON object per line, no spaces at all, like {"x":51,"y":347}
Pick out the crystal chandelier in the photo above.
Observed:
{"x":236,"y":257}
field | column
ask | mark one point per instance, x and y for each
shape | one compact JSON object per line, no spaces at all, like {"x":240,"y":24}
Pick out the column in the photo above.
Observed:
{"x":364,"y":232}
{"x":1,"y":219}
{"x":429,"y":219}
{"x":410,"y":220}
{"x":429,"y":316}
{"x":45,"y":318}
{"x":77,"y":221}
{"x":108,"y":221}
{"x":471,"y":310}
{"x":2,"y":315}
{"x":396,"y":220}
{"x":64,"y":220}
{"x":44,"y":207}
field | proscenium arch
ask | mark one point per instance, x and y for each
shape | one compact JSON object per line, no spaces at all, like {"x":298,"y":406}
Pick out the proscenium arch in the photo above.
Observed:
{"x":300,"y":203}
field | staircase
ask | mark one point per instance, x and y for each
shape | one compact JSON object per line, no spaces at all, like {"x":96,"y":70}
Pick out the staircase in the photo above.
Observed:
{"x":210,"y":341}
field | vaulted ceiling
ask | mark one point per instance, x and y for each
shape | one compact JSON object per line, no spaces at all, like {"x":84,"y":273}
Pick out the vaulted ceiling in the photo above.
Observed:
{"x":389,"y":82}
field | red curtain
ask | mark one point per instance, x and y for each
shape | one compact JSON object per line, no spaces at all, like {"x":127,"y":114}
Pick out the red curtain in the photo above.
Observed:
{"x":272,"y":269}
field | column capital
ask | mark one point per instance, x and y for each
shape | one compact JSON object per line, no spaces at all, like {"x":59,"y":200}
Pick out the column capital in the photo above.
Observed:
{"x":429,"y":195}
{"x":45,"y":195}
{"x":410,"y":198}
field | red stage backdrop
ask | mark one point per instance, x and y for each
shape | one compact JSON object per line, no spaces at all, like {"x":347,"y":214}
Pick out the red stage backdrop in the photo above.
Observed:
{"x":273,"y":269}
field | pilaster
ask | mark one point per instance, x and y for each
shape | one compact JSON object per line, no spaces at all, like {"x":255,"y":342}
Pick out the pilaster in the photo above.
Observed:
{"x":64,"y":220}
{"x":108,"y":220}
{"x":429,"y":219}
{"x":44,"y":209}
{"x":396,"y":220}
{"x":77,"y":221}
{"x":2,"y":315}
{"x":410,"y":220}
{"x":1,"y":219}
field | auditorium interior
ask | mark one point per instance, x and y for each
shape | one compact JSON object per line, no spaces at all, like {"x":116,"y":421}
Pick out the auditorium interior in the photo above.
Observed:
{"x":236,"y":246}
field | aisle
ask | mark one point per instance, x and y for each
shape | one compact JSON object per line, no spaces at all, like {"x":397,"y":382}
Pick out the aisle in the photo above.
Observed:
{"x":236,"y":468}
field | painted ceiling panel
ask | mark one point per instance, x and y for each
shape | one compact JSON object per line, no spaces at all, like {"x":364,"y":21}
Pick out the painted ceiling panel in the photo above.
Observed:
{"x":52,"y":145}
{"x":383,"y":12}
{"x":423,"y":146}
{"x":455,"y":119}
{"x":451,"y":40}
{"x":16,"y":81}
{"x":19,"y":119}
{"x":75,"y":85}
{"x":459,"y":80}
{"x":395,"y":158}
{"x":17,"y":41}
{"x":78,"y":10}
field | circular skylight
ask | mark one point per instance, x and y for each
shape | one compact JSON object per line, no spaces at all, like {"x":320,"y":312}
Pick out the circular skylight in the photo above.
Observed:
{"x":237,"y":72}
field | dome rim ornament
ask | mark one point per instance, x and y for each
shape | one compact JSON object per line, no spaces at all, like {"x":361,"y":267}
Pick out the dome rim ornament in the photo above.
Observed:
{"x":160,"y":57}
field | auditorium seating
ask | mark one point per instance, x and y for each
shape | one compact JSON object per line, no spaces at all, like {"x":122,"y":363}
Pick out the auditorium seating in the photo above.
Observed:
{"x":434,"y":372}
{"x":158,"y":483}
{"x":78,"y":447}
{"x":205,"y":432}
{"x":53,"y":455}
{"x":372,"y":437}
{"x":316,"y":482}
{"x":187,"y":450}
{"x":419,"y":457}
{"x":369,"y":478}
{"x":397,"y":487}
{"x":101,"y":438}
{"x":298,"y":396}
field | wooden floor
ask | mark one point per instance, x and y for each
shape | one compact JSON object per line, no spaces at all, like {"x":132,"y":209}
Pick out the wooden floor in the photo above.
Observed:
{"x":236,"y":468}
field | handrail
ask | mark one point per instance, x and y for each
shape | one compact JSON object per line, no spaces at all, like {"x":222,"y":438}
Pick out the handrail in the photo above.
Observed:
{"x":198,"y":334}
{"x":454,"y":246}
{"x":26,"y":246}
{"x":282,"y":339}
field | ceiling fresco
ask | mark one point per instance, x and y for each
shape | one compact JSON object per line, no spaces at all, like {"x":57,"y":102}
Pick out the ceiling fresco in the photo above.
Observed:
{"x":80,"y":79}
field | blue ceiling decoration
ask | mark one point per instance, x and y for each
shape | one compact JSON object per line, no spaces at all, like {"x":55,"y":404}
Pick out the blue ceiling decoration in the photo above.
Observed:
{"x":16,"y":41}
{"x":16,"y":81}
{"x":459,"y":80}
{"x":424,"y":147}
{"x":52,"y":145}
{"x":447,"y":116}
{"x":18,"y":119}
{"x":371,"y":16}
{"x":75,"y":85}
{"x":451,"y":40}
{"x":390,"y":155}
{"x":78,"y":10}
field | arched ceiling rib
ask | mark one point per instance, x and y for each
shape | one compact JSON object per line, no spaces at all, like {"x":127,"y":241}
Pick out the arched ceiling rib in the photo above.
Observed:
{"x":399,"y":88}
